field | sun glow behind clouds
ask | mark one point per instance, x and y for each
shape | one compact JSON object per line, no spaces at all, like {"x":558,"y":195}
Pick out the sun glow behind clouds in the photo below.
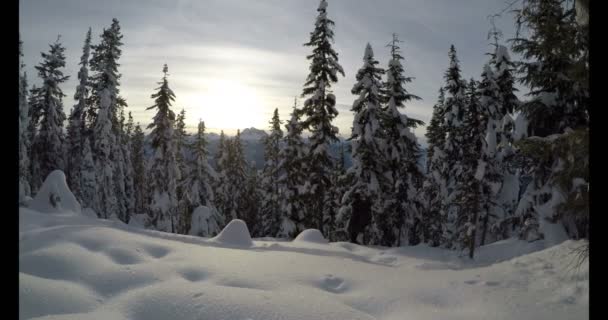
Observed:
{"x":225,"y":103}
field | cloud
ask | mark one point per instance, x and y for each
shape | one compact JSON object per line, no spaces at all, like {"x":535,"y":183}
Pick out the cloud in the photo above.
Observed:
{"x":260,"y":44}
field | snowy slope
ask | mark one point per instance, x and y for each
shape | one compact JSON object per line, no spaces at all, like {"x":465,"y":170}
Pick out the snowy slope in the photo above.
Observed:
{"x":76,"y":267}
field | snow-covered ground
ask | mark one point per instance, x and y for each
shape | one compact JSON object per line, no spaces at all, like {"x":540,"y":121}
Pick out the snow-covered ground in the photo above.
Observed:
{"x":74,"y":266}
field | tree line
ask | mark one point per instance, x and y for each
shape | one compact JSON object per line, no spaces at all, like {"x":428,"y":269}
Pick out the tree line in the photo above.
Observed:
{"x":482,"y":140}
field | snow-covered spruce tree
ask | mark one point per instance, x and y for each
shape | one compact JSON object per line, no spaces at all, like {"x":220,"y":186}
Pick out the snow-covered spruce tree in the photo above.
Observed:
{"x":238,"y":176}
{"x":163,"y":170}
{"x":335,"y":228}
{"x":317,"y":114}
{"x":508,"y":195}
{"x":221,"y":183}
{"x":468,"y":192}
{"x":270,"y":213}
{"x":556,"y":71}
{"x":126,"y":135}
{"x":251,"y":201}
{"x":77,"y":126}
{"x":87,"y":175}
{"x":434,"y":217}
{"x":180,"y":136}
{"x":452,"y":172}
{"x":48,"y":144}
{"x":24,"y":139}
{"x":139,"y":170}
{"x":403,"y":153}
{"x":293,"y":174}
{"x":232,"y":177}
{"x":199,"y":179}
{"x":102,"y":113}
{"x":491,"y":174}
{"x":364,"y":204}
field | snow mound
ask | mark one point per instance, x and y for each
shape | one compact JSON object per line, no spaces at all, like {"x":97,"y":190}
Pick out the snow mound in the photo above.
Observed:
{"x":202,"y":223}
{"x":235,"y":233}
{"x":311,"y":235}
{"x":54,"y":196}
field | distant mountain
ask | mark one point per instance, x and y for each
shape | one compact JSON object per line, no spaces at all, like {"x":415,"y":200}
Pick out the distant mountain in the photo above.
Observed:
{"x":253,"y":147}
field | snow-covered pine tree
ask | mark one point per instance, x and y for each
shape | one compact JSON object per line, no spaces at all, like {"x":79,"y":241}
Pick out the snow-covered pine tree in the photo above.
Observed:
{"x":492,"y":175}
{"x":221,"y":185}
{"x":403,"y":153}
{"x":555,"y":69}
{"x":200,"y":178}
{"x":317,"y":114}
{"x":129,"y":186}
{"x":139,"y":170}
{"x":238,"y":170}
{"x":102,"y":113}
{"x":88,"y":178}
{"x":363,"y":205}
{"x":24,"y":139}
{"x":180,"y":140}
{"x":468,"y":202}
{"x":270,"y":213}
{"x":455,"y":107}
{"x":508,"y":195}
{"x":48,"y":144}
{"x":163,"y":170}
{"x":251,"y":199}
{"x":434,"y":218}
{"x":332,"y":224}
{"x":77,"y":126}
{"x":293,"y":175}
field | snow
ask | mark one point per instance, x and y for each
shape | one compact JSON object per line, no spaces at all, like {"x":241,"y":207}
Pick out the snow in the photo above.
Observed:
{"x":54,"y":196}
{"x":481,"y":170}
{"x":521,"y":127}
{"x":311,"y":235}
{"x":235,"y":233}
{"x":203,"y":224}
{"x":76,"y":267}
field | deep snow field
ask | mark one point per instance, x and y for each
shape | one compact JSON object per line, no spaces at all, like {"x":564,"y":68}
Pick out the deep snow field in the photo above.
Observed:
{"x":72,"y":266}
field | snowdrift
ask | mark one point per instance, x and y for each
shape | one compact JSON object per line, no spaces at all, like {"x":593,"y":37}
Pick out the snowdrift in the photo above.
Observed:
{"x":235,"y":233}
{"x":54,"y":196}
{"x":311,"y":235}
{"x":77,"y":267}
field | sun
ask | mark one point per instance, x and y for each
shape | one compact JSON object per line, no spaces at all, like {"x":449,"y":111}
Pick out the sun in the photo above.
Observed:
{"x":225,"y":104}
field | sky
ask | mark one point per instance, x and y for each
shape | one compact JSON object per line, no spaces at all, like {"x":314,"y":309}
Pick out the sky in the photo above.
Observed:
{"x":232,"y":62}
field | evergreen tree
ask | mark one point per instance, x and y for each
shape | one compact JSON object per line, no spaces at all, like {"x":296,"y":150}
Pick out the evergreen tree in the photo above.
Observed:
{"x":237,"y":173}
{"x":292,"y":178}
{"x":492,"y":175}
{"x":435,"y":217}
{"x":363,"y":206}
{"x":402,"y":152}
{"x":555,"y":69}
{"x":129,"y":183}
{"x":183,"y":210}
{"x":318,"y":112}
{"x":139,"y":170}
{"x":163,"y":166}
{"x":270,"y":214}
{"x":221,"y":183}
{"x":453,"y":171}
{"x":48,"y":144}
{"x":24,"y":139}
{"x":251,"y":200}
{"x":77,"y":126}
{"x":200,"y":178}
{"x":102,"y":113}
{"x":468,"y":193}
{"x":88,"y":180}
